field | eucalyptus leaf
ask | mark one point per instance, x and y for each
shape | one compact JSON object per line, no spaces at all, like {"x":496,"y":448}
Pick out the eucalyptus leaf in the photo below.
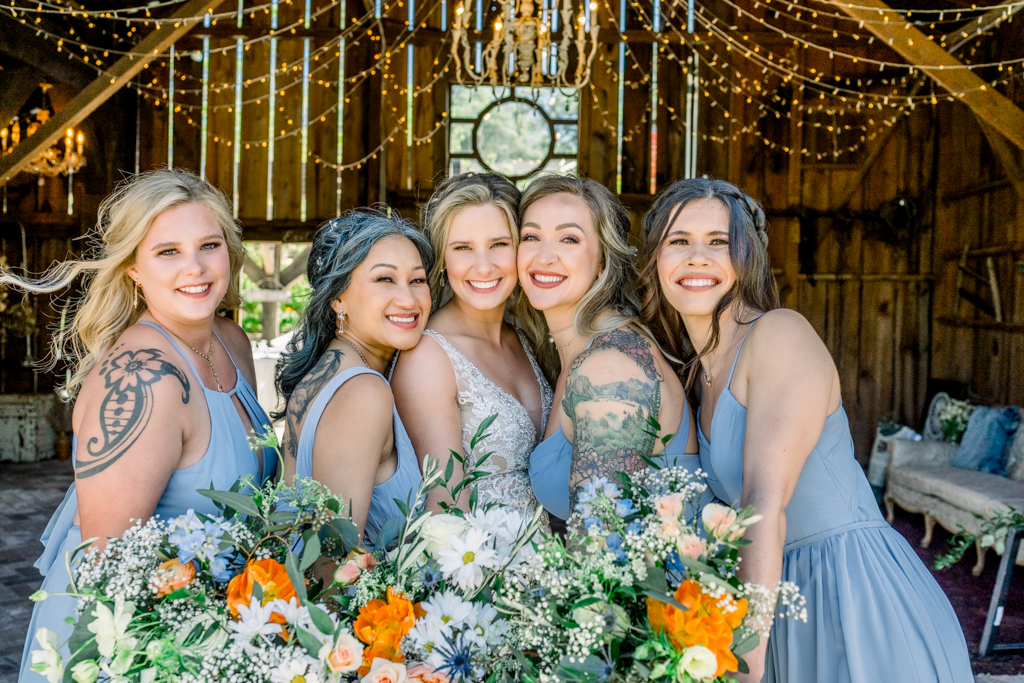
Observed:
{"x":746,"y":643}
{"x":320,"y":619}
{"x":655,"y":580}
{"x":389,"y":531}
{"x":291,"y":565}
{"x":235,"y":501}
{"x":309,"y":642}
{"x":481,"y":431}
{"x":311,"y":550}
{"x":668,"y":600}
{"x":449,"y":470}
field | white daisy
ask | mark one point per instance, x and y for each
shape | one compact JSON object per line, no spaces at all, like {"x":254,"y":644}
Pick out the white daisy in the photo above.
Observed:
{"x":465,"y":560}
{"x":253,"y":621}
{"x":449,"y":608}
{"x":302,"y":670}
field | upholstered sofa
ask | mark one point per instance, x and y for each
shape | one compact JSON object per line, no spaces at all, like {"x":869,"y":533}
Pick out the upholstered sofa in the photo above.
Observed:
{"x":921,"y":478}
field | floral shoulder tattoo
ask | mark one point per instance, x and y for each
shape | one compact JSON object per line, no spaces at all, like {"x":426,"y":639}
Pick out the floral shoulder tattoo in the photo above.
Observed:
{"x":611,"y":420}
{"x":127,"y":406}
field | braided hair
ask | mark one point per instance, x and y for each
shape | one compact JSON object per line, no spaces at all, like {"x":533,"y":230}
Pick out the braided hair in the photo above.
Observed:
{"x":339,"y":246}
{"x":755,"y":287}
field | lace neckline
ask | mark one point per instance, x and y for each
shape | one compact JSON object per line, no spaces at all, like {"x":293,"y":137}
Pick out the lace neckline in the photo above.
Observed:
{"x":538,"y":375}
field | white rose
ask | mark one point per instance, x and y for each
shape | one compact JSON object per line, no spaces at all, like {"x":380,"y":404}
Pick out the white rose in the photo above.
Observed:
{"x":438,"y":530}
{"x":699,"y":662}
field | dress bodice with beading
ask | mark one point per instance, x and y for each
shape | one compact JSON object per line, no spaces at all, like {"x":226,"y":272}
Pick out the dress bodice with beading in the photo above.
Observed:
{"x":512,"y":436}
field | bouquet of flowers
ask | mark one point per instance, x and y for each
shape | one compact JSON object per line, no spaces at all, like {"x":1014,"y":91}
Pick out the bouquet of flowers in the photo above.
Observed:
{"x":647,"y":591}
{"x":201,"y":598}
{"x":954,"y":418}
{"x":425,"y":609}
{"x":278,"y":588}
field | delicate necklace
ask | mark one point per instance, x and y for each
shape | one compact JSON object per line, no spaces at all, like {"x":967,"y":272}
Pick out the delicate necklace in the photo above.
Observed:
{"x":208,"y":357}
{"x":551,"y":338}
{"x":357,"y":350}
{"x":707,"y":377}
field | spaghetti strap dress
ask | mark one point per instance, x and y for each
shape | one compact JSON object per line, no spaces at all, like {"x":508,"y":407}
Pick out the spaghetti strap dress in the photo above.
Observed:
{"x":402,"y":485}
{"x":874,"y":612}
{"x":551,"y":461}
{"x":227,"y":458}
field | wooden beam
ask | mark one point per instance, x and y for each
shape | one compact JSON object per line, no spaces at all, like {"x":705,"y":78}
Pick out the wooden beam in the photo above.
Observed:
{"x":945,"y":69}
{"x":794,"y":190}
{"x":104,"y":87}
{"x":295,"y":269}
{"x":1006,"y":156}
{"x":20,"y":41}
{"x":979,"y":26}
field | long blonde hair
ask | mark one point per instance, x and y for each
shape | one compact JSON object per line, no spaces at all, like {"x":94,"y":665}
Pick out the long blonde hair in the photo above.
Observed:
{"x":615,"y":290}
{"x":105,"y":310}
{"x":477,"y":189}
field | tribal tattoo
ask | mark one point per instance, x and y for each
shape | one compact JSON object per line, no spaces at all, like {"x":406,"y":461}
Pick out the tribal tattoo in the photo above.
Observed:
{"x":611,"y":430}
{"x":126,"y":408}
{"x":306,"y":392}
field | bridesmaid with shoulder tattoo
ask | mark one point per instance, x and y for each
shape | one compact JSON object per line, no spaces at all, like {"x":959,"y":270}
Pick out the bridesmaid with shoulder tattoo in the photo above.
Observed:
{"x":576,"y":267}
{"x":370,"y":299}
{"x":163,"y":385}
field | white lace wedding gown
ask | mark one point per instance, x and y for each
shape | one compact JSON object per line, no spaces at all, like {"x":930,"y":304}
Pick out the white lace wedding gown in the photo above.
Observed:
{"x":512,"y":435}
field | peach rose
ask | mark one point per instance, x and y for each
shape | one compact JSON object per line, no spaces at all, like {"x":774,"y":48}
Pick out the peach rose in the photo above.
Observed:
{"x":364,"y":560}
{"x":347,"y":654}
{"x":172,"y":575}
{"x":690,"y":546}
{"x":670,"y":505}
{"x":348,"y":573}
{"x":385,"y":671}
{"x":422,"y":673}
{"x":717,"y":518}
{"x":670,"y":529}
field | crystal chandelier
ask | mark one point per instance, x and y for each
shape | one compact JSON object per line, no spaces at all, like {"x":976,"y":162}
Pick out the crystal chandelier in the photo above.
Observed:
{"x":57,"y":160}
{"x":522,"y":50}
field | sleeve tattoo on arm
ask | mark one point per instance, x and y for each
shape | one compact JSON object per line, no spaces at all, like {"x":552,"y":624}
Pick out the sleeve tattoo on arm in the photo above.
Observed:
{"x":610,"y":421}
{"x":127,"y":406}
{"x":306,"y":392}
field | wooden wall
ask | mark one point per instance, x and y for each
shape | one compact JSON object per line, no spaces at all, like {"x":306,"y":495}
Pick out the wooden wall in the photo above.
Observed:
{"x":880,"y":298}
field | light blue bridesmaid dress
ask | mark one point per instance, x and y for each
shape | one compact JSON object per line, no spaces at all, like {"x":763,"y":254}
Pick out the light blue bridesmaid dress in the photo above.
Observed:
{"x":404,"y":481}
{"x":874,"y":612}
{"x":551,"y":460}
{"x":227,"y":458}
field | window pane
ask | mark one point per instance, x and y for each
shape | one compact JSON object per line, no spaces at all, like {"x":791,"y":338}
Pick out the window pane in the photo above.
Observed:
{"x":514,"y":138}
{"x":566,"y":138}
{"x":460,"y":139}
{"x":468,"y":102}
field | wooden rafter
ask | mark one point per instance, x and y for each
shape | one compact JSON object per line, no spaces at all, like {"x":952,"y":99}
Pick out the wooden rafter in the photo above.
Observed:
{"x":1006,"y":156}
{"x":945,"y":69}
{"x":978,"y":27}
{"x":104,"y":87}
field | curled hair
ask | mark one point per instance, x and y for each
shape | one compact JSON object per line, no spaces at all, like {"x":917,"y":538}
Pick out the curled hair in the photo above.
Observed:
{"x":339,"y":246}
{"x":615,"y":289}
{"x":755,"y":288}
{"x":105,"y":309}
{"x":460,"y":192}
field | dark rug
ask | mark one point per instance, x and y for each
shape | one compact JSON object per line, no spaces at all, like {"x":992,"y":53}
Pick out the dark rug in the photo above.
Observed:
{"x":970,"y":595}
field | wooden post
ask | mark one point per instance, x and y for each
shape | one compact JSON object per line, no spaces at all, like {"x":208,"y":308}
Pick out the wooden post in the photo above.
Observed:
{"x":945,"y":69}
{"x":794,"y":186}
{"x":104,"y":87}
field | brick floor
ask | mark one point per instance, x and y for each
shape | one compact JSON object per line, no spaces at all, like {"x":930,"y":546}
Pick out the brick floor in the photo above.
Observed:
{"x":29,"y":493}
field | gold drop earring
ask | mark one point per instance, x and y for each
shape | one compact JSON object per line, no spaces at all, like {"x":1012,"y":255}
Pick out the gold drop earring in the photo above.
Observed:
{"x":341,"y":324}
{"x":135,"y":297}
{"x":444,"y":278}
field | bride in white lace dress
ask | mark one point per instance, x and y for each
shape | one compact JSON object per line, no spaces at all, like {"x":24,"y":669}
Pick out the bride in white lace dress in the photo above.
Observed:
{"x":470,"y":363}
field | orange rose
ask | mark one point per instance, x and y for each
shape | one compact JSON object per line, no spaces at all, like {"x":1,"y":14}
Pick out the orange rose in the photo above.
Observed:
{"x":272,"y":578}
{"x":172,"y":575}
{"x":705,"y":623}
{"x":382,"y":625}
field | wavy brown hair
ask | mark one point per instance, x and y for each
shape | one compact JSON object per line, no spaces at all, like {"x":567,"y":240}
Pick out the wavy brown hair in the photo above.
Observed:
{"x":755,"y":287}
{"x":615,"y":290}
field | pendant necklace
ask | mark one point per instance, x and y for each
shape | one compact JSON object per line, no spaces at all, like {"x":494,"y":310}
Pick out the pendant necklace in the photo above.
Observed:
{"x":208,"y":357}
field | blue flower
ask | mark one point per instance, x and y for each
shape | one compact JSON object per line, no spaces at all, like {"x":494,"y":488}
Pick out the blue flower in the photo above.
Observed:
{"x":219,"y":568}
{"x":634,"y":528}
{"x":592,"y":522}
{"x":189,"y":544}
{"x":613,"y":542}
{"x":430,"y":575}
{"x":624,"y":508}
{"x":457,"y":656}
